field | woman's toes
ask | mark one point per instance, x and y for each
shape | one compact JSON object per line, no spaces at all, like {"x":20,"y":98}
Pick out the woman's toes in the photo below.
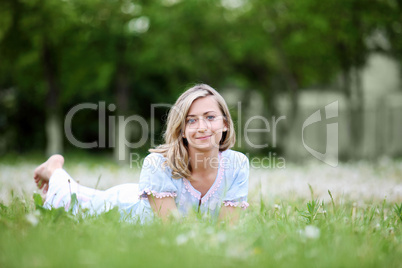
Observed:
{"x":43,"y":172}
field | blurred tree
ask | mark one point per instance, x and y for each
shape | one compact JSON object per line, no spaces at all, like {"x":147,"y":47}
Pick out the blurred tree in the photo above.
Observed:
{"x":276,"y":50}
{"x":55,"y":54}
{"x":31,"y":48}
{"x":112,"y":31}
{"x":351,"y":24}
{"x":391,"y":25}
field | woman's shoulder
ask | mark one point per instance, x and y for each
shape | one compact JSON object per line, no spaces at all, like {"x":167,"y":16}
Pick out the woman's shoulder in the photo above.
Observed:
{"x":233,"y":160}
{"x":154,"y":156}
{"x":154,"y":168}
{"x":155,"y":161}
{"x":232,"y":155}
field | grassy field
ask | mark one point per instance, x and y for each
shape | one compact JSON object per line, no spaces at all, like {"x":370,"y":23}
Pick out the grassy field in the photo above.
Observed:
{"x":349,"y":217}
{"x":297,"y":234}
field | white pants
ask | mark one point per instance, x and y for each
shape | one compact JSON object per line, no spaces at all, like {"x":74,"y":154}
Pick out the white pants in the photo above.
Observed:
{"x":62,"y":186}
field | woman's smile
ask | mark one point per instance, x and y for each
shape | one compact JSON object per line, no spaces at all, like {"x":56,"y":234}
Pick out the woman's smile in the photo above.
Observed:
{"x":204,"y":137}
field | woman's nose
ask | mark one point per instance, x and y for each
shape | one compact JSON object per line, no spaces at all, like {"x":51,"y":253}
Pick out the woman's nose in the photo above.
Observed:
{"x":202,"y":125}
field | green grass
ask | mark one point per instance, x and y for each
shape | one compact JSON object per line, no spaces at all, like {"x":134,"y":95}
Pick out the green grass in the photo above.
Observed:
{"x":304,"y":233}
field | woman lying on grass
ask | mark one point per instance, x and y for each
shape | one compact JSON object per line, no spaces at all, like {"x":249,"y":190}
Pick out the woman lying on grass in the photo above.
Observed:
{"x":194,"y":171}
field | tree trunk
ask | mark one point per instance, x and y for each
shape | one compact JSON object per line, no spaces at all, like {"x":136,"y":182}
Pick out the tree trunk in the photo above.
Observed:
{"x":358,"y":117}
{"x":54,"y":134}
{"x":53,"y":122}
{"x":350,"y":111}
{"x":292,"y":87}
{"x":123,"y":133}
{"x":286,"y":72}
{"x":354,"y":108}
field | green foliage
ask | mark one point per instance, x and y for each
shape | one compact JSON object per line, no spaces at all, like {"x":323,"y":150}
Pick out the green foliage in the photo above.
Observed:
{"x":73,"y":202}
{"x":398,"y":211}
{"x":149,"y":51}
{"x":312,"y":211}
{"x":313,"y":208}
{"x":37,"y":198}
{"x":266,"y":235}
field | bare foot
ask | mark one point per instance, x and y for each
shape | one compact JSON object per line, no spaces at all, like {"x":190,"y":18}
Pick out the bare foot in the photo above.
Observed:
{"x":43,"y":172}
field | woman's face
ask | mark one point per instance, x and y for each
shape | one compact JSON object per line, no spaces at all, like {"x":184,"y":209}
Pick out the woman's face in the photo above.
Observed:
{"x":204,"y":124}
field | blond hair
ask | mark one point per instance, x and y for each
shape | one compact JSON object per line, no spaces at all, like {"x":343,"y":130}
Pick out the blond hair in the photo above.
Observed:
{"x":175,"y":147}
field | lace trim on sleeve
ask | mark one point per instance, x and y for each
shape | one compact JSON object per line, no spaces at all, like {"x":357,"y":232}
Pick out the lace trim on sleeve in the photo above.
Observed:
{"x":146,"y":192}
{"x":242,"y":204}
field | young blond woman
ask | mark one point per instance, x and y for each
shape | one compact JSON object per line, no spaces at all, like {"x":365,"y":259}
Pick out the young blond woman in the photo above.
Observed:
{"x":194,"y":171}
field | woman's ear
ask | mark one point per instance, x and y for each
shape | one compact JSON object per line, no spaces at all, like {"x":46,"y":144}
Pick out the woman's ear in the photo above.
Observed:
{"x":225,"y":127}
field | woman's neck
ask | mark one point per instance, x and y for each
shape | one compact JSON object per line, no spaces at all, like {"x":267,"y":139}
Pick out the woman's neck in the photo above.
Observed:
{"x":204,"y":161}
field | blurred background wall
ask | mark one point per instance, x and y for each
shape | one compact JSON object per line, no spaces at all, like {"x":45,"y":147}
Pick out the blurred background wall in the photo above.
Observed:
{"x":277,"y":57}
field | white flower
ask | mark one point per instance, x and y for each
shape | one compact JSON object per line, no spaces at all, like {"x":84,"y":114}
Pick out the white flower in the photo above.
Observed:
{"x":221,"y":237}
{"x":311,"y":232}
{"x":181,"y":239}
{"x":33,"y":218}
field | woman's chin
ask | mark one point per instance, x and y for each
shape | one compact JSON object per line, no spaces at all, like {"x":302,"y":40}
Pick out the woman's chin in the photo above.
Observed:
{"x":204,"y":147}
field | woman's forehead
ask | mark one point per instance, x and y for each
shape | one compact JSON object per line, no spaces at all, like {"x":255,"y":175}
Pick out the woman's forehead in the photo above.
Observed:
{"x":204,"y":105}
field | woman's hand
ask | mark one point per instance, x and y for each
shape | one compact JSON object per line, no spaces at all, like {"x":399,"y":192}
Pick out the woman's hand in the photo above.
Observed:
{"x":163,"y":207}
{"x":229,"y":214}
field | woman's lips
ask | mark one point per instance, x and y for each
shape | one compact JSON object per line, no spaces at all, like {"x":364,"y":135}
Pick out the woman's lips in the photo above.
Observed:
{"x":204,"y":138}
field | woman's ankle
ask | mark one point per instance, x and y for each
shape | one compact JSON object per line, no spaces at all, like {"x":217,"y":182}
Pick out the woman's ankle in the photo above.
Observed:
{"x":55,"y":162}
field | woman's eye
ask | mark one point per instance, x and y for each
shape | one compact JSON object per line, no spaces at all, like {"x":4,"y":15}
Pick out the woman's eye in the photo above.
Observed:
{"x":211,"y":117}
{"x":191,"y":121}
